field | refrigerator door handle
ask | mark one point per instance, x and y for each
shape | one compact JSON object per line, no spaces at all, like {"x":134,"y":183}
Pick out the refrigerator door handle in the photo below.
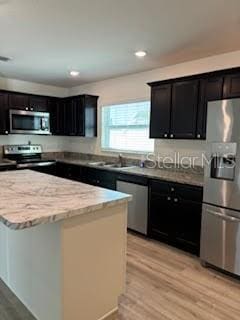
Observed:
{"x":222,"y":216}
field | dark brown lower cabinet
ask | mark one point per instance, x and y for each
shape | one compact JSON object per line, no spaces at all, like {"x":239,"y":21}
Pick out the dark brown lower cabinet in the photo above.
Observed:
{"x":175,"y":215}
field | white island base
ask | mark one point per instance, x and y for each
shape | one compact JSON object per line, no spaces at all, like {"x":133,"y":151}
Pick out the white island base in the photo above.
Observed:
{"x":73,"y":269}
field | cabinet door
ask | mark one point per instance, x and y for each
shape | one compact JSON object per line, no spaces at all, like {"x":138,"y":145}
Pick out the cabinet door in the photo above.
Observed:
{"x":210,"y":89}
{"x":231,"y":88}
{"x":184,"y":109}
{"x":188,"y":224}
{"x":89,"y":114}
{"x":74,"y":117}
{"x":160,"y":111}
{"x":58,"y":117}
{"x":18,"y":101}
{"x":4,"y":117}
{"x":38,"y":103}
{"x":161,"y":224}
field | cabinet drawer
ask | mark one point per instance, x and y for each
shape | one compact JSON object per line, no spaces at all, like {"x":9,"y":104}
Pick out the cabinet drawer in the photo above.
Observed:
{"x":186,"y":192}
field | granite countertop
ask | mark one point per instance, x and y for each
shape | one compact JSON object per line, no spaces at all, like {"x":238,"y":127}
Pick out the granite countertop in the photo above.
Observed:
{"x":161,"y":174}
{"x":29,"y":198}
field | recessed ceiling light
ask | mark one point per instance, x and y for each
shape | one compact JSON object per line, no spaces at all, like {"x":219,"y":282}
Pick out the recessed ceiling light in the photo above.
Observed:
{"x":4,"y":59}
{"x":140,"y":54}
{"x":74,"y":73}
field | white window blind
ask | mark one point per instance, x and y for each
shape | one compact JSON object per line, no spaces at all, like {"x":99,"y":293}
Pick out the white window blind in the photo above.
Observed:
{"x":125,"y":127}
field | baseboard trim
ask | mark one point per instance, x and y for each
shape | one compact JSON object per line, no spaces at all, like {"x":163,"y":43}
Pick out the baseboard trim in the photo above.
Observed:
{"x":112,"y":315}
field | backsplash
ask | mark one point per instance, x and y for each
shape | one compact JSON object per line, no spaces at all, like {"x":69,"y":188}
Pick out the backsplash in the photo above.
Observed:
{"x":49,"y":143}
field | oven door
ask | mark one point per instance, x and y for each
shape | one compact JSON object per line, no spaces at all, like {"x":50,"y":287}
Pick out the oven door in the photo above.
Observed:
{"x":29,"y":122}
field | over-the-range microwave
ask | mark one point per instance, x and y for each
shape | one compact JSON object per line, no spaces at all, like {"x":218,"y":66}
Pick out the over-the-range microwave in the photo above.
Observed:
{"x":29,"y":122}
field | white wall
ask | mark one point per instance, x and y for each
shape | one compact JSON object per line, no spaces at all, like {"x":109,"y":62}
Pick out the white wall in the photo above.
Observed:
{"x":133,"y":87}
{"x":49,"y":143}
{"x":31,"y":87}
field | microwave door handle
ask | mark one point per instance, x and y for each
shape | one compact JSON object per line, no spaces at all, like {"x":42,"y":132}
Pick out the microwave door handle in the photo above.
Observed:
{"x":43,"y":124}
{"x":223,"y":217}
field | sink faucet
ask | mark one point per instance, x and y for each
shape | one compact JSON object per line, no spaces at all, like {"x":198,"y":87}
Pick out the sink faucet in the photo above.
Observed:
{"x":120,"y":159}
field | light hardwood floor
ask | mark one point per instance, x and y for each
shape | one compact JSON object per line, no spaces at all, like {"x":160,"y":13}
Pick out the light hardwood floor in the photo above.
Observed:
{"x":163,"y":283}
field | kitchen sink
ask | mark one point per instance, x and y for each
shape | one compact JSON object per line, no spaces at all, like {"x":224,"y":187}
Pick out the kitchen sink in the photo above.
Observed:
{"x":110,"y":165}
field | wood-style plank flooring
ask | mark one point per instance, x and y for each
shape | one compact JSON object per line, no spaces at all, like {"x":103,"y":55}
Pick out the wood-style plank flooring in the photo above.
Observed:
{"x":163,"y":283}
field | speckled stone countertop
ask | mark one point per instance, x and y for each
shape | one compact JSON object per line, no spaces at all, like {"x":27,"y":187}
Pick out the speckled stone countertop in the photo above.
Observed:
{"x":29,"y":198}
{"x":171,"y":175}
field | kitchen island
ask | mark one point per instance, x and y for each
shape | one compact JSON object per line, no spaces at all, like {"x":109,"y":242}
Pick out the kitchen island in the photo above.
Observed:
{"x":62,"y":245}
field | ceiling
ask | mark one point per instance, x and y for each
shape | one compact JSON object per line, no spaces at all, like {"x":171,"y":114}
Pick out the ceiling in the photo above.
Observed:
{"x":47,"y":38}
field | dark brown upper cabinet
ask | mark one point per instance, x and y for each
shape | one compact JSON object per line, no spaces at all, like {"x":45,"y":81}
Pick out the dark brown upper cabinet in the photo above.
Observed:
{"x":210,"y":89}
{"x":4,"y":118}
{"x":174,"y":110}
{"x":57,"y":116}
{"x":18,"y":101}
{"x":28,"y":102}
{"x":75,"y":116}
{"x":184,"y":109}
{"x":160,"y":111}
{"x":184,"y":101}
{"x":231,"y":88}
{"x":39,"y":103}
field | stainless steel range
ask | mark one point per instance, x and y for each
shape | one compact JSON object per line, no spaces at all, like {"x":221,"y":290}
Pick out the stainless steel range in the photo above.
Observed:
{"x":220,"y":235}
{"x":26,"y":155}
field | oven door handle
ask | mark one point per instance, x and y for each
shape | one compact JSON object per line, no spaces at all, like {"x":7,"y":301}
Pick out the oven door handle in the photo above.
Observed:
{"x":222,"y":216}
{"x":34,"y":165}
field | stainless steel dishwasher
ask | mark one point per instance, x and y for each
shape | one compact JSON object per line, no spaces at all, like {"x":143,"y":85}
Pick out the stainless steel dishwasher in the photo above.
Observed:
{"x":138,"y":207}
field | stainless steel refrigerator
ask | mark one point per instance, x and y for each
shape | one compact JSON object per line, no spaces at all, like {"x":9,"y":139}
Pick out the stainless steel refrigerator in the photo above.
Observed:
{"x":220,"y":232}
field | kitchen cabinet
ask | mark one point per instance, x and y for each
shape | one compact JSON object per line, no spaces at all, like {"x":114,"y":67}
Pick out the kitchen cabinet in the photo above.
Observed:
{"x":231,"y":87}
{"x":57,"y":118}
{"x":28,"y":102}
{"x":75,"y":116}
{"x":210,"y":89}
{"x":19,"y":101}
{"x":174,"y":110}
{"x":72,"y":120}
{"x":93,"y":176}
{"x":69,"y":171}
{"x":39,"y":103}
{"x":175,"y":214}
{"x":183,"y":101}
{"x":4,"y":116}
{"x":184,"y":109}
{"x":89,"y":118}
{"x":160,"y":111}
{"x":102,"y":178}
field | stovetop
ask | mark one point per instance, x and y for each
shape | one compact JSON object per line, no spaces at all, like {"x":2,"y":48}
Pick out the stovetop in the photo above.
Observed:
{"x":26,"y":155}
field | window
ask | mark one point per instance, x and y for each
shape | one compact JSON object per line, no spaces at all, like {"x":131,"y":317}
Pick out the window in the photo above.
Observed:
{"x":125,"y":127}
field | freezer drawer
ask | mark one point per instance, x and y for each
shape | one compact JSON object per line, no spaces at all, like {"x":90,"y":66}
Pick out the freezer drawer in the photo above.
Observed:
{"x":138,"y":207}
{"x":220,"y":238}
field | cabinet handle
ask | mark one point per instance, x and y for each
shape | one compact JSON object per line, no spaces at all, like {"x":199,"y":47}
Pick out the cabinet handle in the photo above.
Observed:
{"x":171,"y":136}
{"x":165,"y":135}
{"x":6,"y":132}
{"x":168,"y":198}
{"x":175,"y":200}
{"x":31,"y":109}
{"x":26,"y":108}
{"x":198,"y":136}
{"x":172,"y":189}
